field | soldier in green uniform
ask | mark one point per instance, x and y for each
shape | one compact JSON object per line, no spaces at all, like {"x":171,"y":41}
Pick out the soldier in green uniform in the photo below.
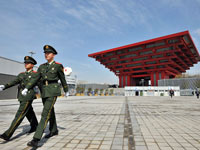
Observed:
{"x":25,"y":107}
{"x":49,"y":74}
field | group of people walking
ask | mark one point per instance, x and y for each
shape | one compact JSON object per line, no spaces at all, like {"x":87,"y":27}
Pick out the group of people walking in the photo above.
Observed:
{"x":46,"y":78}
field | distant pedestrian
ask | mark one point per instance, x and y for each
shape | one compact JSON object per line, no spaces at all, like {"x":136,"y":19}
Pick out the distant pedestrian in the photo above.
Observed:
{"x":197,"y":93}
{"x":171,"y":93}
{"x":192,"y":93}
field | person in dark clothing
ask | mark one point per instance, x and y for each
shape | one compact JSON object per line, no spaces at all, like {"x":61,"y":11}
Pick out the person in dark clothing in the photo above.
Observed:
{"x":171,"y":93}
{"x":197,"y":93}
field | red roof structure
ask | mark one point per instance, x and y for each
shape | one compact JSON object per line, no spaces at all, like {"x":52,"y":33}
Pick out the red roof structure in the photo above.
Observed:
{"x":146,"y":62}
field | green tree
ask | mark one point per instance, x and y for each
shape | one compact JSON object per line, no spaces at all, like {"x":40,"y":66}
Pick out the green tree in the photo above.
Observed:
{"x":96,"y":91}
{"x":82,"y":90}
{"x":101,"y":91}
{"x":78,"y":89}
{"x":106,"y":92}
{"x":111,"y":91}
{"x":89,"y":91}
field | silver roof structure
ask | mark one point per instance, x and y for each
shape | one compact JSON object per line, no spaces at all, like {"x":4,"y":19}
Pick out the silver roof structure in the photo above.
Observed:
{"x":11,"y":67}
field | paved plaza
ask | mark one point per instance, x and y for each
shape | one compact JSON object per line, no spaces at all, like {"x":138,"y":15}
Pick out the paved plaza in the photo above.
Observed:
{"x":112,"y":123}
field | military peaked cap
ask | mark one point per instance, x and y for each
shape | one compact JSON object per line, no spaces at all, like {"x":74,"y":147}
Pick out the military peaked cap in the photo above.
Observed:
{"x":49,"y":49}
{"x":29,"y":59}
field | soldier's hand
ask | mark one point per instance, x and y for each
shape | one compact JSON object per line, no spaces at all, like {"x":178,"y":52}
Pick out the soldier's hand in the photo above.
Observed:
{"x":24,"y":92}
{"x":2,"y":87}
{"x":66,"y":94}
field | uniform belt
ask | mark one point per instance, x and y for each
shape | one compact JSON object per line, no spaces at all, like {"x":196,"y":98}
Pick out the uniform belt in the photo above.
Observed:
{"x":46,"y":82}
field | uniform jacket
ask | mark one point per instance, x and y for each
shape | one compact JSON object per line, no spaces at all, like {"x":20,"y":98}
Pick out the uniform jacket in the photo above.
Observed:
{"x":21,"y":80}
{"x":50,"y":73}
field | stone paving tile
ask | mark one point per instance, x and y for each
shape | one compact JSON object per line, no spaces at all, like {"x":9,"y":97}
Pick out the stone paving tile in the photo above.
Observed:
{"x":113,"y":123}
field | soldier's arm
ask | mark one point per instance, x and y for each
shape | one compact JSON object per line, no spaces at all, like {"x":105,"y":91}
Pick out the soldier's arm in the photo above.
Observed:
{"x":35,"y":78}
{"x":62,"y":78}
{"x":13,"y":82}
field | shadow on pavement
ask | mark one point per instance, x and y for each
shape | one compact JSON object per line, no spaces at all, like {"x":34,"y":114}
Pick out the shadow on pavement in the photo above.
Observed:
{"x":25,"y":130}
{"x":44,"y":140}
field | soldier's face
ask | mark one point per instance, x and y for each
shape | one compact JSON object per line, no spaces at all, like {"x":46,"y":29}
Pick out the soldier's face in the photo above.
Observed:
{"x":49,"y":56}
{"x":28,"y":66}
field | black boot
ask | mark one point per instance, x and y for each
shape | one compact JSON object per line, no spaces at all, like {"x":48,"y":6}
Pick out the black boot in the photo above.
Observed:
{"x":51,"y":134}
{"x":33,"y":129}
{"x":4,"y":137}
{"x":33,"y":142}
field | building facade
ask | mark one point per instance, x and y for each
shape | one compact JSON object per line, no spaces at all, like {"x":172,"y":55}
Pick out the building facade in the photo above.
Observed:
{"x":146,"y":62}
{"x":183,"y":83}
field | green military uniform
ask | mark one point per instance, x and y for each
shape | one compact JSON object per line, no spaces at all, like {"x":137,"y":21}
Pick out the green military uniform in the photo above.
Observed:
{"x":25,"y":108}
{"x":49,"y":74}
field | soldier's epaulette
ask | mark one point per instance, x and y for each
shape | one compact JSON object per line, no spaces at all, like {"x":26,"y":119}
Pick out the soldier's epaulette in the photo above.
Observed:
{"x":34,"y":71}
{"x":58,"y":63}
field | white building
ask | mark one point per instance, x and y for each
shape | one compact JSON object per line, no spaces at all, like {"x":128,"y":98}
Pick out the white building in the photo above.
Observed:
{"x":151,"y":90}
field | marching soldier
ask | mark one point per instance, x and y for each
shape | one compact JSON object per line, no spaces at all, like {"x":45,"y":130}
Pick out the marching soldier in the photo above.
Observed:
{"x":25,"y":107}
{"x":49,"y":74}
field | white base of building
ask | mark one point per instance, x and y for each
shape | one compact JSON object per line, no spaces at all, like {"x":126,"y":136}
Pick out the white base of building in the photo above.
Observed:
{"x":151,"y":90}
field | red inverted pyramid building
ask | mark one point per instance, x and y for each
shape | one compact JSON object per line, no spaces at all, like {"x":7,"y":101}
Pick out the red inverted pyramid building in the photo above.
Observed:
{"x":144,"y":63}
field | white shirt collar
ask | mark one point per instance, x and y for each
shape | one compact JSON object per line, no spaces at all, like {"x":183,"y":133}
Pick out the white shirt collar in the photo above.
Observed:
{"x":51,"y":62}
{"x":29,"y":71}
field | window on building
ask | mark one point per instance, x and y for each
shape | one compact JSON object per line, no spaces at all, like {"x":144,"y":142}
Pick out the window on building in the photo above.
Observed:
{"x":123,"y":61}
{"x":193,"y":51}
{"x":126,"y":70}
{"x":120,"y":52}
{"x":159,"y":75}
{"x":160,"y":66}
{"x":134,"y":49}
{"x":146,"y":52}
{"x":155,"y":44}
{"x":150,"y":62}
{"x":127,"y":56}
{"x":149,"y":67}
{"x":169,"y":54}
{"x":109,"y":64}
{"x":98,"y":57}
{"x":186,"y":38}
{"x":154,"y":78}
{"x":133,"y":65}
{"x":173,"y":41}
{"x":157,"y":56}
{"x":117,"y":67}
{"x":113,"y":58}
{"x":164,"y":60}
{"x":108,"y":54}
{"x":137,"y":69}
{"x":164,"y":49}
{"x":138,"y":59}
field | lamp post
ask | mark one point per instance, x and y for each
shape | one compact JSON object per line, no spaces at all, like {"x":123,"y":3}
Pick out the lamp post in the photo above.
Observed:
{"x":32,"y":53}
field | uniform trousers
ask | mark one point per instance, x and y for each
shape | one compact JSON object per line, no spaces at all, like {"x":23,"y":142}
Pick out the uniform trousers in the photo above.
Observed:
{"x":48,"y":114}
{"x":25,"y":110}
